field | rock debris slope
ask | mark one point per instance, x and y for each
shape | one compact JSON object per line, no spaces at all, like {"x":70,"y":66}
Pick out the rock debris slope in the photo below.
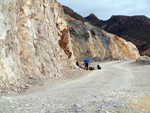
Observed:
{"x":37,"y":41}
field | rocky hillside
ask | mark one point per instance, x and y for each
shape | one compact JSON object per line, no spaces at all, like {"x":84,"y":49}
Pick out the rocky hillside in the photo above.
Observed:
{"x":34,"y":43}
{"x":147,"y":52}
{"x":37,"y":41}
{"x":73,"y":14}
{"x":135,"y":29}
{"x":94,"y":20}
{"x":96,"y":44}
{"x":132,"y":28}
{"x":80,"y":29}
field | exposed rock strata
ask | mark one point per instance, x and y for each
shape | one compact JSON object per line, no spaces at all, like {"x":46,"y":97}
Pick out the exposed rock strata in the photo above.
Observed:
{"x":36,"y":43}
{"x":121,"y":49}
{"x":132,"y":28}
{"x":32,"y":44}
{"x":92,"y":41}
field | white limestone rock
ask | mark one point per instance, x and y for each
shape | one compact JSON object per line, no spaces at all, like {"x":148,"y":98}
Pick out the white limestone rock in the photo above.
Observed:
{"x":29,"y":43}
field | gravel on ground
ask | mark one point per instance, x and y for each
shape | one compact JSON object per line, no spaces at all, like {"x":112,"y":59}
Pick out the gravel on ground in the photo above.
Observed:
{"x":119,"y":87}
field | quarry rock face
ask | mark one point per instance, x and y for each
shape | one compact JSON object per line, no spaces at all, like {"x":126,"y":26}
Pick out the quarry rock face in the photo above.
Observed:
{"x":37,"y":41}
{"x":34,"y":43}
{"x":121,"y":49}
{"x":92,"y":42}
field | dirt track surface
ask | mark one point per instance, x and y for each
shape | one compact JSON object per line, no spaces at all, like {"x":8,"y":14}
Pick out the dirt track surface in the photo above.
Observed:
{"x":120,"y":87}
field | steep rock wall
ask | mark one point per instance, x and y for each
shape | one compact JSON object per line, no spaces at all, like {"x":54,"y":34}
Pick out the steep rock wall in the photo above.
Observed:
{"x":121,"y":49}
{"x":36,"y":43}
{"x":31,"y":46}
{"x":90,"y":41}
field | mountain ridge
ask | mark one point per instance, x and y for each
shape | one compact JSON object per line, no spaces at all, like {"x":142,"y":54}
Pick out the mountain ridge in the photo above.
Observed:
{"x":73,"y":14}
{"x":132,"y":28}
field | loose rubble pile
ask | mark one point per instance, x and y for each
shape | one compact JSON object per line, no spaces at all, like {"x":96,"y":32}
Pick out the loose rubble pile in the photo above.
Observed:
{"x":143,"y":60}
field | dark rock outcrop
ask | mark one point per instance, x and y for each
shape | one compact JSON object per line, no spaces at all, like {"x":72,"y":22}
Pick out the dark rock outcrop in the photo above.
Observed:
{"x":135,"y":29}
{"x":73,"y":14}
{"x":92,"y":42}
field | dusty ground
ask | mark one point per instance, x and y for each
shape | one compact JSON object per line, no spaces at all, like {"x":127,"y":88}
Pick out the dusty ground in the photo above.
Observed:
{"x":120,"y":87}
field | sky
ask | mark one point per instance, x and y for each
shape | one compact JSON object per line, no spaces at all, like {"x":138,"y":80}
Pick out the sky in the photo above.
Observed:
{"x":104,"y":9}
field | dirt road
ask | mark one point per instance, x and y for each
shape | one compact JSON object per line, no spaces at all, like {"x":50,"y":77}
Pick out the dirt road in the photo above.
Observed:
{"x":120,"y":86}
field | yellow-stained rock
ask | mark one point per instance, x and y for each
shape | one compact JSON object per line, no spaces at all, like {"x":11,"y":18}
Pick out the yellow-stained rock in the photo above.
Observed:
{"x":121,"y":49}
{"x":92,"y":42}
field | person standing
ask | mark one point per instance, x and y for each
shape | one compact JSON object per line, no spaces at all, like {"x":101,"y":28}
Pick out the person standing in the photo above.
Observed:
{"x":86,"y":62}
{"x":77,"y":63}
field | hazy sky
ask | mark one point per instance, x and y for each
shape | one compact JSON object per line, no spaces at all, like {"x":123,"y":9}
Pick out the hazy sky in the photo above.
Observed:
{"x":104,"y":9}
